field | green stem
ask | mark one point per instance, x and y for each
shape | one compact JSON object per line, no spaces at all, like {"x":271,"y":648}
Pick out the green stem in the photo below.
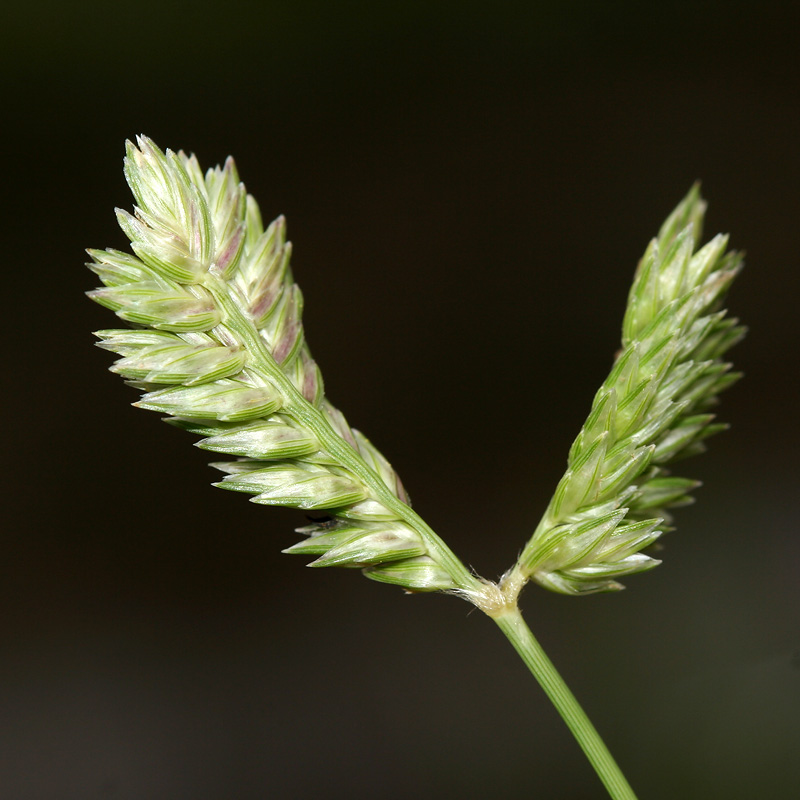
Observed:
{"x":519,"y":634}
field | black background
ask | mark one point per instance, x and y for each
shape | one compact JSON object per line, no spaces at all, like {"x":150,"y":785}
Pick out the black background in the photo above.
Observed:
{"x":468,"y":187}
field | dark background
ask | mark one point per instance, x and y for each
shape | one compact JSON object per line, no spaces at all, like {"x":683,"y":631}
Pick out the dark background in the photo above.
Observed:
{"x":469,"y":187}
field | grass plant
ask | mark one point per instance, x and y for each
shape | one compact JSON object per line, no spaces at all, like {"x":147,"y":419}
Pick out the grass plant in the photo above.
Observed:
{"x":215,"y":342}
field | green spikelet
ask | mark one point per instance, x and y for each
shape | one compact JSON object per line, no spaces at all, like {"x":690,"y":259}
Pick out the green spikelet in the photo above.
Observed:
{"x":613,"y":499}
{"x":219,"y":348}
